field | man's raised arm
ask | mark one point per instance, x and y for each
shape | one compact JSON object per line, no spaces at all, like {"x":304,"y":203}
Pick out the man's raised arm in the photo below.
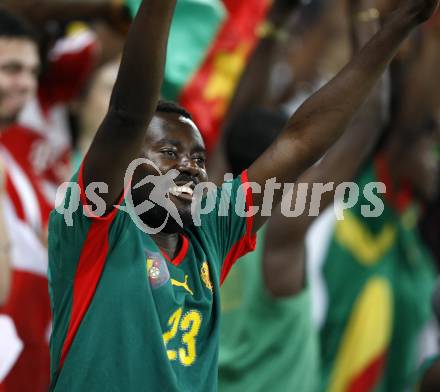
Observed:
{"x":321,"y":120}
{"x":134,"y":98}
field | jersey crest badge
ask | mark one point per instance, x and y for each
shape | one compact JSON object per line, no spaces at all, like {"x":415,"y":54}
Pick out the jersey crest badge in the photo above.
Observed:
{"x":206,"y":276}
{"x":157,"y":270}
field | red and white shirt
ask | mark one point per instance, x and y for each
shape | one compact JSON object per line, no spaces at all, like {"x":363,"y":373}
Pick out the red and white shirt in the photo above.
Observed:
{"x":36,"y":155}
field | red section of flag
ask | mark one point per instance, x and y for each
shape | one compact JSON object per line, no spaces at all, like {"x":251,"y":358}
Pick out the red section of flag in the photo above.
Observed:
{"x":370,"y":376}
{"x":209,"y":92}
{"x":398,"y":198}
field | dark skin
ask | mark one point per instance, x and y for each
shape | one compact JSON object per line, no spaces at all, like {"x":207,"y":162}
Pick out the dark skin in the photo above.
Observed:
{"x":431,"y":380}
{"x":284,"y":249}
{"x":172,"y":143}
{"x":321,"y":119}
{"x":409,"y":150}
{"x":309,"y":133}
{"x":421,"y":97}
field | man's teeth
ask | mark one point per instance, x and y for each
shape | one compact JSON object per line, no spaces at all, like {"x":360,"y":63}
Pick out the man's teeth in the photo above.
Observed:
{"x":178,"y":190}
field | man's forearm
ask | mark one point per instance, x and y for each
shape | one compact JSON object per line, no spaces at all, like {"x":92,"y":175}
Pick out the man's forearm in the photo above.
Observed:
{"x":134,"y":98}
{"x":354,"y":146}
{"x":322,"y":118}
{"x":140,"y":76}
{"x":363,"y":132}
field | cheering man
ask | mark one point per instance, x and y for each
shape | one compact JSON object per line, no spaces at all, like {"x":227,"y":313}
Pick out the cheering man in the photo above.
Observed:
{"x":137,"y":311}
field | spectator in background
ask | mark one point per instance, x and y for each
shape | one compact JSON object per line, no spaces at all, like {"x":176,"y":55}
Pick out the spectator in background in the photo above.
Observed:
{"x":10,"y":344}
{"x":19,"y":66}
{"x":430,"y":64}
{"x":36,"y":149}
{"x":268,"y":340}
{"x":304,"y":141}
{"x":91,"y":107}
{"x":375,"y":319}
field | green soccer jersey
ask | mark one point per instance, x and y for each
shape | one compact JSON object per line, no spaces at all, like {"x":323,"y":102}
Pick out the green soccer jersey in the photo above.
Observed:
{"x":266,"y":343}
{"x":127,"y":319}
{"x":379,"y":278}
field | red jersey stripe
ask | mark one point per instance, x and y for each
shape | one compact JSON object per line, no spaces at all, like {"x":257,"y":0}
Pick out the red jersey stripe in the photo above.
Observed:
{"x":248,"y":242}
{"x":90,"y":266}
{"x":182,"y":252}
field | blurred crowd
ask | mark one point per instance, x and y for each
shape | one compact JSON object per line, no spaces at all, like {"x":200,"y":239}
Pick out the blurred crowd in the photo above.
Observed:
{"x":322,"y":304}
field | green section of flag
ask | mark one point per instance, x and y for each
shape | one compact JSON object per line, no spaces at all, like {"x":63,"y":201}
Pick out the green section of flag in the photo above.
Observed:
{"x":194,"y":27}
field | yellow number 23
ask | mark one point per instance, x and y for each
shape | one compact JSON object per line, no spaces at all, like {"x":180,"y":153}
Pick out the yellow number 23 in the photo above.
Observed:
{"x":189,"y":324}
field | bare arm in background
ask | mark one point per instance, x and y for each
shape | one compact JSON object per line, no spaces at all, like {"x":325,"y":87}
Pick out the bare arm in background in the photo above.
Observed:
{"x":285,"y":250}
{"x":284,"y":261}
{"x":323,"y":118}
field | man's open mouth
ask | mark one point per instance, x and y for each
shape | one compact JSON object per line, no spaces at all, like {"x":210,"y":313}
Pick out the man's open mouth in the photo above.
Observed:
{"x":181,"y":190}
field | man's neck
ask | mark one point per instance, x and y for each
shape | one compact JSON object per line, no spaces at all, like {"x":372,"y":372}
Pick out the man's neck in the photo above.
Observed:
{"x":168,"y":243}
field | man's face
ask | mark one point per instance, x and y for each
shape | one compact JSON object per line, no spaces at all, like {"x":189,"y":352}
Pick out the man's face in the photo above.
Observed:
{"x":19,"y":65}
{"x":173,"y":142}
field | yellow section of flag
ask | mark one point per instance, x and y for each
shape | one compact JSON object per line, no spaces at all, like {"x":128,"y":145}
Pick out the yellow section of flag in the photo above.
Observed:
{"x":367,"y":335}
{"x":364,"y":245}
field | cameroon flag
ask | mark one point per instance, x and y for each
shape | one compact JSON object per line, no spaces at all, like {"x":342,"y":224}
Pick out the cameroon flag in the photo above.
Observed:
{"x":210,"y":42}
{"x":379,"y":280}
{"x":195,"y":25}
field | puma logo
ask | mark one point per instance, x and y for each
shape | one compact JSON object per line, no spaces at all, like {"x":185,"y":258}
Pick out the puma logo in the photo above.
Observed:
{"x":182,"y":284}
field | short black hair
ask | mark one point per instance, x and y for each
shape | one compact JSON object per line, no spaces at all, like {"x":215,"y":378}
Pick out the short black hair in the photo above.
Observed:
{"x":250,"y":134}
{"x":172,"y":107}
{"x":13,"y":26}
